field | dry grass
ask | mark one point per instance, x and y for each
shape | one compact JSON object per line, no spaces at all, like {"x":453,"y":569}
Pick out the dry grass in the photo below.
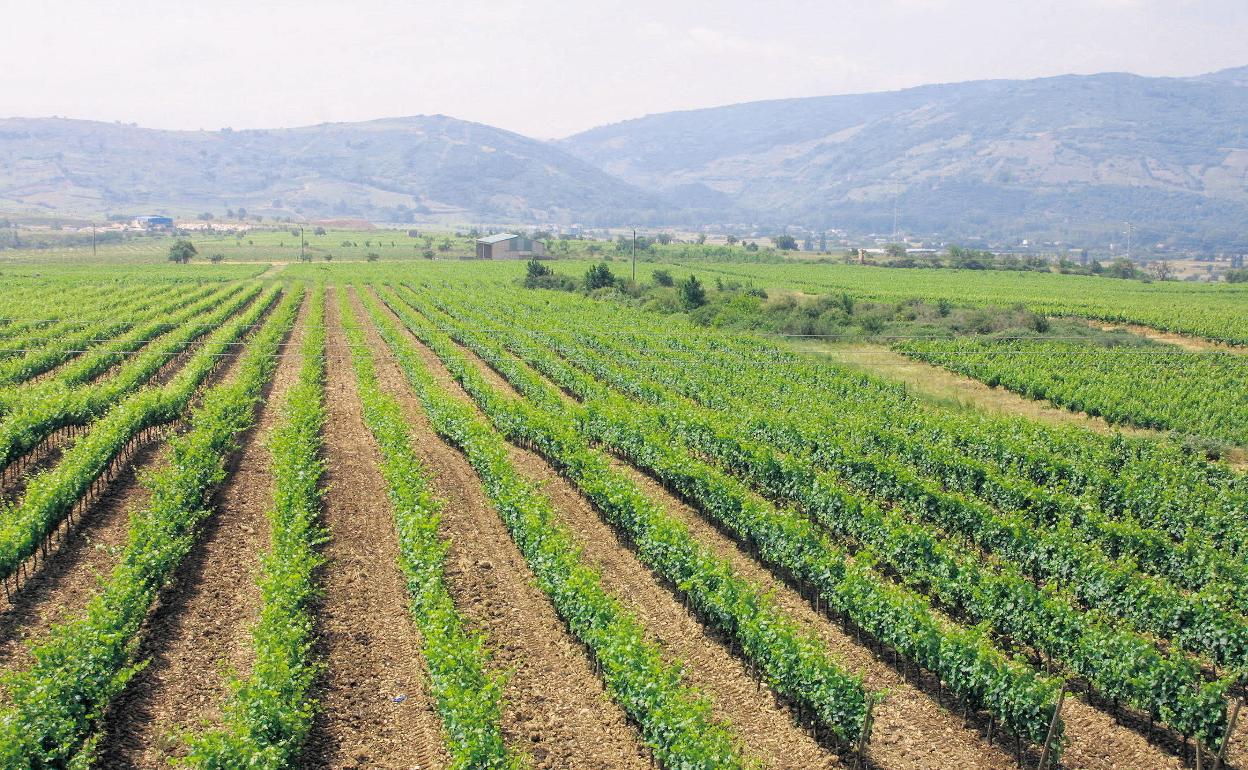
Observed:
{"x":940,"y":386}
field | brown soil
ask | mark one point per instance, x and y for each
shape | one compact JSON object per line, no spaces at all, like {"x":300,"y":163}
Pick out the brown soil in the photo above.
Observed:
{"x":769,"y":729}
{"x":63,"y":584}
{"x":911,"y":731}
{"x":556,"y":709}
{"x":1095,"y":739}
{"x":368,"y":641}
{"x":200,"y":631}
{"x":47,"y":453}
{"x":83,"y":554}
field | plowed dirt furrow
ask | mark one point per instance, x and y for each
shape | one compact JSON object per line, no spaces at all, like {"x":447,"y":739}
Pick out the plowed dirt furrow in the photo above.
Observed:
{"x":375,"y":709}
{"x":59,"y":587}
{"x":46,"y":454}
{"x":1097,"y":739}
{"x":556,"y":709}
{"x":201,"y":628}
{"x":768,"y":728}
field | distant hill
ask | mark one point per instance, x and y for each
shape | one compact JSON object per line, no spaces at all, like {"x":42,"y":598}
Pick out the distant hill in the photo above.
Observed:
{"x":393,"y":169}
{"x":1070,"y":157}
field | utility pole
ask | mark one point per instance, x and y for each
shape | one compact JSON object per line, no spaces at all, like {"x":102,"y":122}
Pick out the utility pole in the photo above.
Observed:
{"x":896,"y":192}
{"x":634,"y":255}
{"x":302,"y":243}
{"x":1130,"y":228}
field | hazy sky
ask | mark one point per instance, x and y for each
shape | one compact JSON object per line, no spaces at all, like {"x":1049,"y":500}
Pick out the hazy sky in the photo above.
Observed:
{"x":548,"y":68}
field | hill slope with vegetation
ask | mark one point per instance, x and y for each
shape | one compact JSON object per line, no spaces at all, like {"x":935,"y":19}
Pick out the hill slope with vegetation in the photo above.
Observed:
{"x":1069,"y":157}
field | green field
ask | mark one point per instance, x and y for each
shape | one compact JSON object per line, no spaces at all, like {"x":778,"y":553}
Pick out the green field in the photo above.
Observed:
{"x":345,"y":513}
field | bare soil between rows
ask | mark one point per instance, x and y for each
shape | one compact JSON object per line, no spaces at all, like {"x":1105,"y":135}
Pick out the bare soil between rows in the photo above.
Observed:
{"x":375,"y":710}
{"x":555,"y":709}
{"x":199,"y":632}
{"x":1096,"y":739}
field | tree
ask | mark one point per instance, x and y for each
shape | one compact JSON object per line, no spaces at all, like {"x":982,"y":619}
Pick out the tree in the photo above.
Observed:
{"x":785,"y":242}
{"x":319,"y":230}
{"x":1163,"y":271}
{"x":181,"y":251}
{"x":692,"y":295}
{"x":215,"y":258}
{"x":751,"y":246}
{"x":599,"y":276}
{"x":372,"y":256}
{"x":701,"y":238}
{"x":444,"y":246}
{"x":1237,"y":276}
{"x":665,"y":238}
{"x":896,"y":250}
{"x":536,"y":269}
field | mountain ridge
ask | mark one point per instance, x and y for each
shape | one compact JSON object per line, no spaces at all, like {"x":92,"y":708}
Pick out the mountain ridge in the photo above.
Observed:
{"x":394,"y":168}
{"x":1072,"y":158}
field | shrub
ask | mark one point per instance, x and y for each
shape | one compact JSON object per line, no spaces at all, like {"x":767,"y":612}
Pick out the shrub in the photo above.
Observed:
{"x":663,"y":278}
{"x":535,"y":269}
{"x":599,"y":276}
{"x":692,"y":295}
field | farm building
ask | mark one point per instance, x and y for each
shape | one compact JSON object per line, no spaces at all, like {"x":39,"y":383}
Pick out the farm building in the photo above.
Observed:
{"x":509,"y":246}
{"x":153,"y":222}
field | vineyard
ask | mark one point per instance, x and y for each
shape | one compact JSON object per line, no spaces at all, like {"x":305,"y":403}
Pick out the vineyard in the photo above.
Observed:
{"x":413,"y":514}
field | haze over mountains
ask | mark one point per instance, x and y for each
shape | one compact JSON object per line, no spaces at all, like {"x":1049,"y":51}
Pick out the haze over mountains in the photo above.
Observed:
{"x":1070,"y":158}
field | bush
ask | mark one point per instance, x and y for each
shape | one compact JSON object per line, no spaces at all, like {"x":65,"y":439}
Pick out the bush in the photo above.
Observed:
{"x":215,"y":258}
{"x":535,"y":269}
{"x":692,"y":295}
{"x":599,"y":276}
{"x":1237,"y":276}
{"x":663,"y":278}
{"x":372,"y":256}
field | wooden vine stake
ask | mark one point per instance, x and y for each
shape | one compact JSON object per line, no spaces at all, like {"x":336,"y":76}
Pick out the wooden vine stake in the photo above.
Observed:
{"x":1048,"y":739}
{"x":867,"y":722}
{"x":1226,"y":739}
